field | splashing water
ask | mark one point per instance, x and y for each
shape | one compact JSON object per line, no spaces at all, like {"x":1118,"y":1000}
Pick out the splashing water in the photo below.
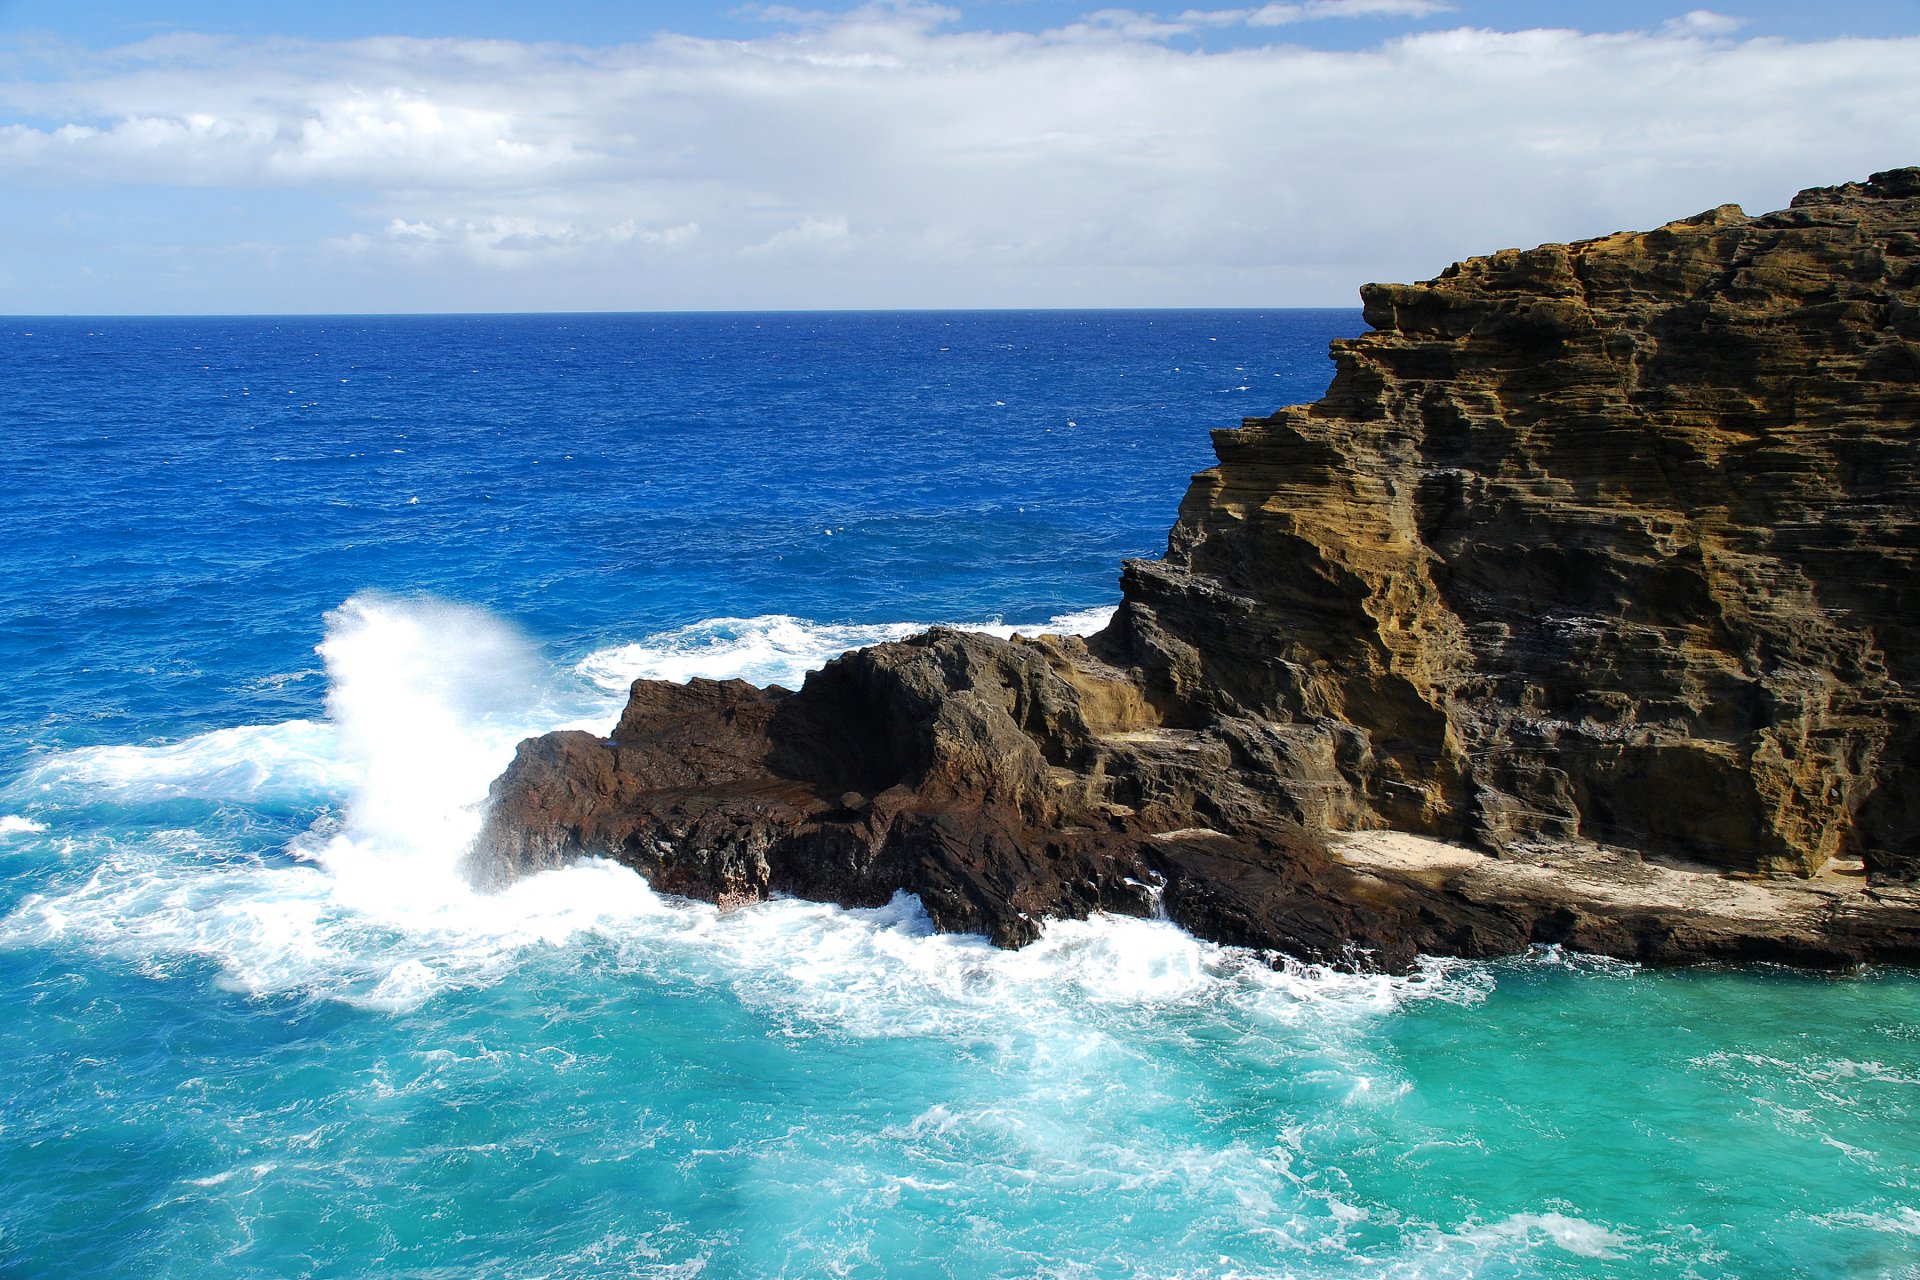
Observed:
{"x":427,"y":700}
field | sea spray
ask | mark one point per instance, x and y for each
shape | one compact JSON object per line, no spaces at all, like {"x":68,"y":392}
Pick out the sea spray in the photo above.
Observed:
{"x":427,"y":699}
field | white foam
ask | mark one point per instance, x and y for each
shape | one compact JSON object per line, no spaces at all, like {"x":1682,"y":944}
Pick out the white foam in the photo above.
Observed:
{"x":1576,"y":1236}
{"x":12,"y":824}
{"x":779,"y":649}
{"x":1901,"y":1221}
{"x":1517,"y":1238}
{"x":1818,"y":1073}
{"x":361,"y":925}
{"x":772,"y":649}
{"x":296,"y":760}
{"x":1078,"y":622}
{"x":884,"y":972}
{"x":275,"y":929}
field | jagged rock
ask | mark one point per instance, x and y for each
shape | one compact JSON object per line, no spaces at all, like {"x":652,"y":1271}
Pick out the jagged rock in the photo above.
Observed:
{"x":1588,"y":548}
{"x":956,"y":766}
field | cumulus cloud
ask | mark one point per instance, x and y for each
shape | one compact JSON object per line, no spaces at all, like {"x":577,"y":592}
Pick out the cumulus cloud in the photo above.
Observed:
{"x":885,"y":158}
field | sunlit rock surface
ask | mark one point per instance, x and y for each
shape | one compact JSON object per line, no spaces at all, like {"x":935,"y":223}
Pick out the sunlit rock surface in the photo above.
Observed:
{"x":1615,"y":539}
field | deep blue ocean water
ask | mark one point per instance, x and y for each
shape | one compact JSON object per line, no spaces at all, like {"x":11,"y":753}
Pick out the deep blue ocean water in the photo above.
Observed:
{"x":278,"y":596}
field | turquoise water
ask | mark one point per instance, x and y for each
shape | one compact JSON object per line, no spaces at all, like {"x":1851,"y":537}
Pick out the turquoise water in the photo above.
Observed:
{"x":255,"y":1025}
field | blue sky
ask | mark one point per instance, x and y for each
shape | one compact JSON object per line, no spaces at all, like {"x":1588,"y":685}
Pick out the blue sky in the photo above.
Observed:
{"x":431,"y":156}
{"x":102,"y":23}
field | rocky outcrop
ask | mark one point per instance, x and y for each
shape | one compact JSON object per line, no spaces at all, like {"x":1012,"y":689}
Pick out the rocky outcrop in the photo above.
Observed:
{"x":1588,"y":548}
{"x":1004,"y":782}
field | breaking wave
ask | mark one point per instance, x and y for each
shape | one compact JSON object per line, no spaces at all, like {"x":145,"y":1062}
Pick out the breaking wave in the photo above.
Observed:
{"x":777,"y":649}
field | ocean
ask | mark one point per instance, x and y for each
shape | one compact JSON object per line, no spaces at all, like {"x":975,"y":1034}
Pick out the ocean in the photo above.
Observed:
{"x":279,"y":596}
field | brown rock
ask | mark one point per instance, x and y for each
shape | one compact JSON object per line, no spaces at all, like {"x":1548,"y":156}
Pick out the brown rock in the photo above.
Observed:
{"x":1615,"y":539}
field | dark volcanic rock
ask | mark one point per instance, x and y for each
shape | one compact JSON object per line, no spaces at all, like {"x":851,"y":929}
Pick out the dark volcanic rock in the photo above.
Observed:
{"x":962,"y":768}
{"x":1590,"y":546}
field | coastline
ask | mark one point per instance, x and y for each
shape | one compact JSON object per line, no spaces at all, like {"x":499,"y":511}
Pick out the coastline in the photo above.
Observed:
{"x":1572,"y":557}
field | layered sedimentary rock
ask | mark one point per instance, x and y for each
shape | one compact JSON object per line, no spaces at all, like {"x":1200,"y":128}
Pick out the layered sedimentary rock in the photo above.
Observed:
{"x":1615,"y":539}
{"x":1598,"y":558}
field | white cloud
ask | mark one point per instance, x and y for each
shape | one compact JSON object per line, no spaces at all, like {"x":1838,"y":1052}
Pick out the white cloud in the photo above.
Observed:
{"x":829,"y":235}
{"x":881,"y":158}
{"x":1149,"y":26}
{"x":401,"y":231}
{"x":1704,"y":22}
{"x":507,"y":241}
{"x":1274,"y":15}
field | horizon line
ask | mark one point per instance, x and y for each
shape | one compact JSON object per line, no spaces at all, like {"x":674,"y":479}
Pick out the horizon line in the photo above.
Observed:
{"x":682,"y":311}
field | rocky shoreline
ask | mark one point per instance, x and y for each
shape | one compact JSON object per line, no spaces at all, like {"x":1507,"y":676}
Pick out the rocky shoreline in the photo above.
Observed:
{"x":1588,"y":548}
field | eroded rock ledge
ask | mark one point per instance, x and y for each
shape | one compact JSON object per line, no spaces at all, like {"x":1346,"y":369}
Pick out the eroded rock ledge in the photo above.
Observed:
{"x":1588,"y":548}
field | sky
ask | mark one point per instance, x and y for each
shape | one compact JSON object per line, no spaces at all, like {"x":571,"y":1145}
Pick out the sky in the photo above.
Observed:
{"x":241,"y":158}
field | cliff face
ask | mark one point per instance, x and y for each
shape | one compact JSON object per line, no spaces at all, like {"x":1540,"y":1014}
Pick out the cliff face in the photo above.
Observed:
{"x":1618,"y":539}
{"x":1602,"y":558}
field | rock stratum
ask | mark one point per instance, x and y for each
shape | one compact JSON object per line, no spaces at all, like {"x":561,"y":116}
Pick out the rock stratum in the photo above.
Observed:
{"x":1599,"y":563}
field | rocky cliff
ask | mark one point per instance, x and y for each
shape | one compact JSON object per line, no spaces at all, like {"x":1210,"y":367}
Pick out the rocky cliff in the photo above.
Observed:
{"x":1599,"y":560}
{"x":1615,"y":539}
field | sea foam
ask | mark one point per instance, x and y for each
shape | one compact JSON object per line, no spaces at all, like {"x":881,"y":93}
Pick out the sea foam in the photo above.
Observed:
{"x":289,"y":762}
{"x":778,"y":649}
